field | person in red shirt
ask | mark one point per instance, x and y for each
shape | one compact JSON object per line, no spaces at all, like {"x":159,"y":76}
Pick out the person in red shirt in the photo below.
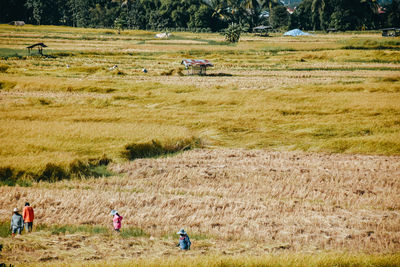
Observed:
{"x":28,"y":216}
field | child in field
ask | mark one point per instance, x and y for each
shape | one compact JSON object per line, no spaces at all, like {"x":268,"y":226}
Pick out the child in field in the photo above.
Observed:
{"x":116,"y":220}
{"x":184,"y":240}
{"x":17,"y":223}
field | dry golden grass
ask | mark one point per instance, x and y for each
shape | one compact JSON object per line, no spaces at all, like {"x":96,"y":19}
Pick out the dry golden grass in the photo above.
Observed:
{"x":238,"y":201}
{"x":326,"y":93}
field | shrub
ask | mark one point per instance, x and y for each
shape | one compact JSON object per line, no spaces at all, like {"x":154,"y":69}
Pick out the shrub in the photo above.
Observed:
{"x":7,"y":85}
{"x":52,"y":173}
{"x":232,"y":33}
{"x":156,"y":149}
{"x":102,"y":161}
{"x":3,"y":68}
{"x":79,"y":169}
{"x":94,"y":167}
{"x":9,"y":176}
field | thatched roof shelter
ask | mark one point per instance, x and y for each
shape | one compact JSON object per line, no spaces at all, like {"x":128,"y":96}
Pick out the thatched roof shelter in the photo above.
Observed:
{"x":40,"y":47}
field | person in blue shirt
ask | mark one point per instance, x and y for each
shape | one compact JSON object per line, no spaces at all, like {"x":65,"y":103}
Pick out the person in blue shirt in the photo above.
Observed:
{"x":184,"y":240}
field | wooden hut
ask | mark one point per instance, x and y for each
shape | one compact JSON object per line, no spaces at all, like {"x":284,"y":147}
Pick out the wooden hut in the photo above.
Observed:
{"x":40,"y":47}
{"x":197,"y":66}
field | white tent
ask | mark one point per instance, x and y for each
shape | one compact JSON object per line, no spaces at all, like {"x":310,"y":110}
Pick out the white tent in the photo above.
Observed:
{"x":295,"y":32}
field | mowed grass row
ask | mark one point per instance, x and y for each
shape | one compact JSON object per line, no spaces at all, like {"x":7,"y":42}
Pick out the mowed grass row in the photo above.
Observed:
{"x":331,"y":93}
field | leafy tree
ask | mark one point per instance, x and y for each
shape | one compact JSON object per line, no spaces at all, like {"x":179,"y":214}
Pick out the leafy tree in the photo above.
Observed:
{"x":269,"y":4}
{"x":13,"y":10}
{"x":37,"y":9}
{"x":393,"y":13}
{"x":279,"y":17}
{"x":119,"y":25}
{"x":301,"y":17}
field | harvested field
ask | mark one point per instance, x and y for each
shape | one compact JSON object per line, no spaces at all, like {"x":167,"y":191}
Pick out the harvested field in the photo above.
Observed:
{"x":268,"y":119}
{"x":236,"y":201}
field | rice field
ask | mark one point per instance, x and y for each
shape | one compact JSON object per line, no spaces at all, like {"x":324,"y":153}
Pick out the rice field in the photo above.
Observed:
{"x":299,"y":164}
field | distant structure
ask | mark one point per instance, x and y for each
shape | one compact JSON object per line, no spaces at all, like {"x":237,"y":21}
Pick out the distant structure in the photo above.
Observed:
{"x":197,"y":66}
{"x":17,"y":23}
{"x":40,"y":47}
{"x":262,"y":30}
{"x":391,"y":32}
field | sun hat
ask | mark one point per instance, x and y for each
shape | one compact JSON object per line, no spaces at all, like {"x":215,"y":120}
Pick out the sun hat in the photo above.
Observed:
{"x":113,"y":212}
{"x":16,"y":210}
{"x":181,"y":232}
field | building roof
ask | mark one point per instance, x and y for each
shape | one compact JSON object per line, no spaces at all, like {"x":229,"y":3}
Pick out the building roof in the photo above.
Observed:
{"x":262,"y":28}
{"x":196,"y":62}
{"x":38,"y":44}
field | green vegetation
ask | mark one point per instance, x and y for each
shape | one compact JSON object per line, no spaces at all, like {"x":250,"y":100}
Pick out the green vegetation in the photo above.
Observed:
{"x":133,"y":232}
{"x":72,"y":229}
{"x":77,"y":169}
{"x":203,"y":16}
{"x":126,"y":232}
{"x":156,"y":149}
{"x":5,"y":229}
{"x":232,"y":33}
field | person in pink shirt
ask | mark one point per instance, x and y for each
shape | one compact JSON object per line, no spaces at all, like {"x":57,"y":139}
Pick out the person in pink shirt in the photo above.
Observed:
{"x":116,"y":220}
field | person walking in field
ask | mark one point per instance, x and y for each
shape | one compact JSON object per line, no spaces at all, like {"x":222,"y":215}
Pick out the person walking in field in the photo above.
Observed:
{"x":17,"y":223}
{"x":28,"y":216}
{"x":117,"y":219}
{"x":184,"y":240}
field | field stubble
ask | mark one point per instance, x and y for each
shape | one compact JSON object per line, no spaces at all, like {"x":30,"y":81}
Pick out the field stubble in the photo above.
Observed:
{"x":328,"y":93}
{"x":251,"y":201}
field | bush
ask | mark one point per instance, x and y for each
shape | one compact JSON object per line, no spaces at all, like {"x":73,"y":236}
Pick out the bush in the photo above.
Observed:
{"x":156,"y":149}
{"x":7,"y":85}
{"x":80,"y":169}
{"x":52,"y":173}
{"x":9,"y":176}
{"x":232,"y":33}
{"x":3,"y":68}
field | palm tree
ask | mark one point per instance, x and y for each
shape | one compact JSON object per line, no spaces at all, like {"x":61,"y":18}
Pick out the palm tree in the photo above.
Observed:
{"x":253,"y":7}
{"x":268,"y":4}
{"x":317,"y":9}
{"x":218,"y":7}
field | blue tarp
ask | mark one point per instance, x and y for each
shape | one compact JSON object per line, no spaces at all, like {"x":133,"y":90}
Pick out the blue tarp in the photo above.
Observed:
{"x":295,"y":32}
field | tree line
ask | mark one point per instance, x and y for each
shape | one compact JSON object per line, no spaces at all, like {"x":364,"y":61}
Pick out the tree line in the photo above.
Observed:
{"x":211,"y":15}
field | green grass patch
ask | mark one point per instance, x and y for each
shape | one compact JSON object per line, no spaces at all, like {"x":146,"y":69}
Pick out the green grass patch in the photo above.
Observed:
{"x":5,"y":228}
{"x":156,"y":148}
{"x":133,"y":232}
{"x":72,"y":229}
{"x":6,"y":53}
